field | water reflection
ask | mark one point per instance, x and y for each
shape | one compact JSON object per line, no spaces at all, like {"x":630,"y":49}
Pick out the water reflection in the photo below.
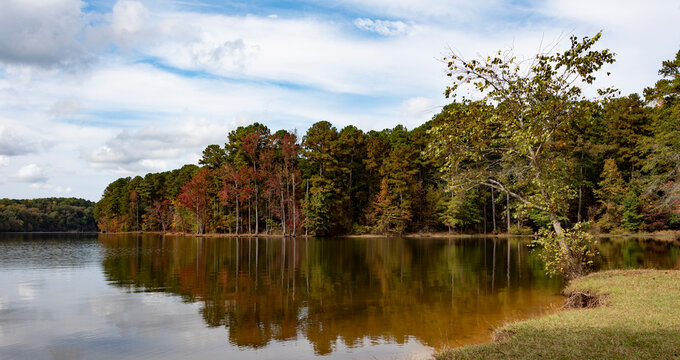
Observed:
{"x":47,"y":251}
{"x":348,"y":291}
{"x":623,"y":253}
{"x":132,"y":297}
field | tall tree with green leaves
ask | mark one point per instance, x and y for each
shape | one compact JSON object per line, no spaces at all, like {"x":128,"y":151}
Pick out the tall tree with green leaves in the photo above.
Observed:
{"x":319,"y":145}
{"x":525,"y":110}
{"x":627,"y":126}
{"x":662,"y":165}
{"x":611,"y":192}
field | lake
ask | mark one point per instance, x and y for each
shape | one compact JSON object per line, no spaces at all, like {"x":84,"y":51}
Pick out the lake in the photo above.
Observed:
{"x":65,"y":296}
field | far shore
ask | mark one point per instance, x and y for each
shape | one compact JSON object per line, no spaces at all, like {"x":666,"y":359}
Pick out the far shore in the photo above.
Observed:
{"x":667,"y":235}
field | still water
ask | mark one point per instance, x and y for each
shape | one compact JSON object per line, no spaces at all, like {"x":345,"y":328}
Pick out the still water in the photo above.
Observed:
{"x":153,"y":297}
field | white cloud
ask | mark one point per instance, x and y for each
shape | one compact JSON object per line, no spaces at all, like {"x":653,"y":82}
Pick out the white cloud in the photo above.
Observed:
{"x":128,"y":25}
{"x":65,"y":107}
{"x":30,"y":173}
{"x":149,"y":148}
{"x":128,"y":18}
{"x":299,"y":51}
{"x":417,"y":106}
{"x":13,"y":142}
{"x":42,"y":33}
{"x":416,"y":110}
{"x":4,"y":161}
{"x":50,"y":188}
{"x":219,"y":55}
{"x":154,"y":165}
{"x":448,"y":13}
{"x":382,"y":27}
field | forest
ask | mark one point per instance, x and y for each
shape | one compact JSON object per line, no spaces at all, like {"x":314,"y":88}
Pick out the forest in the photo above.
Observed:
{"x":479,"y":166}
{"x":47,"y":215}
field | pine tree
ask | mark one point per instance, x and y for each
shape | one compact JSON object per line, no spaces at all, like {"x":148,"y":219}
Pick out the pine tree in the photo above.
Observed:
{"x":611,"y":193}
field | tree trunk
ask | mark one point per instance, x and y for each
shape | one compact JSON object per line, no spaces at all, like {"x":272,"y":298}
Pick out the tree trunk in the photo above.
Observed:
{"x":257,"y":191}
{"x":556,"y":224}
{"x":493,"y":209}
{"x":580,"y":188}
{"x":237,"y":204}
{"x":485,"y":217}
{"x":294,"y":214}
{"x":198,"y":223}
{"x":580,"y":202}
{"x":560,"y":235}
{"x":307,"y":199}
{"x":290,"y":212}
{"x":269,"y":213}
{"x":257,"y":217}
{"x":283,"y":213}
{"x":507,"y":210}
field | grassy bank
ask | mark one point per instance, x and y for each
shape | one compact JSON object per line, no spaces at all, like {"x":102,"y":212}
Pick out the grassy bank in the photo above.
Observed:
{"x":638,"y":318}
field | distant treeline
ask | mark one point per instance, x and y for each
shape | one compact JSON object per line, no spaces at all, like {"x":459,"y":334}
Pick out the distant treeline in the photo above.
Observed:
{"x":47,"y":214}
{"x":620,"y":171}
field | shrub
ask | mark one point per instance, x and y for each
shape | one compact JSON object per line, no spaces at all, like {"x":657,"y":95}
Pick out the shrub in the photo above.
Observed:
{"x":360,"y":229}
{"x":517,"y":230}
{"x":579,"y":257}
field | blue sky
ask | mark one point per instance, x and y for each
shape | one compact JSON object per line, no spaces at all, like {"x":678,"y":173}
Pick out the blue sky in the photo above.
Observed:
{"x":94,"y":90}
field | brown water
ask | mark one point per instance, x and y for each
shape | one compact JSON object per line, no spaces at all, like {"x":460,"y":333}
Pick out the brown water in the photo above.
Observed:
{"x":110,"y":296}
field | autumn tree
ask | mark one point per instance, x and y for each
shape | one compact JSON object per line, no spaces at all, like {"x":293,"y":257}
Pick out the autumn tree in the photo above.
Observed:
{"x":194,"y":197}
{"x":162,"y":213}
{"x":230,"y":191}
{"x":386,"y":213}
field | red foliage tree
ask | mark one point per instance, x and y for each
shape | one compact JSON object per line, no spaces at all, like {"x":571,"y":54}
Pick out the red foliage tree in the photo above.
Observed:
{"x":194,"y":196}
{"x":162,"y":212}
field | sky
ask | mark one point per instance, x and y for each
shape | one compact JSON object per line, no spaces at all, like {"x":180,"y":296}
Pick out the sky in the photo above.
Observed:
{"x":91,"y":91}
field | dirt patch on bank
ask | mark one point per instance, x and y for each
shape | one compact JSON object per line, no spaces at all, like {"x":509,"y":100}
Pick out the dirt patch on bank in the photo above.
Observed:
{"x":581,"y":300}
{"x":501,"y":335}
{"x":575,"y":300}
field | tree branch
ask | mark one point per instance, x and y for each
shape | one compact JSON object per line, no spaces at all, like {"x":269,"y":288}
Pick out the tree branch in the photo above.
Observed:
{"x":499,"y":186}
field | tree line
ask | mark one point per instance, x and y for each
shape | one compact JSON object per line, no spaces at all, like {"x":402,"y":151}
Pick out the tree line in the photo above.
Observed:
{"x":47,"y":215}
{"x":535,"y":153}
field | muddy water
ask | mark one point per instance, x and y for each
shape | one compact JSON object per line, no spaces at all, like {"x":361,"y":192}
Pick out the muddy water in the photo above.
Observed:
{"x":134,"y":296}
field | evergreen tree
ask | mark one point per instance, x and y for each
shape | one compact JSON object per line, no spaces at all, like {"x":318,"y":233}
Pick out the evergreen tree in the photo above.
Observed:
{"x":611,"y":193}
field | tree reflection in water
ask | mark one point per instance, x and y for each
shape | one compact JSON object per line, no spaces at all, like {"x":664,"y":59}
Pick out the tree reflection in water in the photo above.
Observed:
{"x":357,"y":291}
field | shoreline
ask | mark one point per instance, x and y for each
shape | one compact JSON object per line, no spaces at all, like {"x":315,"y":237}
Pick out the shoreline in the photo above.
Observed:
{"x":609,"y":315}
{"x":667,"y":235}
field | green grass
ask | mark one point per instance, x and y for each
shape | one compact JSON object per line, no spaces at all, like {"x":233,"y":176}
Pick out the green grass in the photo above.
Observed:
{"x":640,"y":319}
